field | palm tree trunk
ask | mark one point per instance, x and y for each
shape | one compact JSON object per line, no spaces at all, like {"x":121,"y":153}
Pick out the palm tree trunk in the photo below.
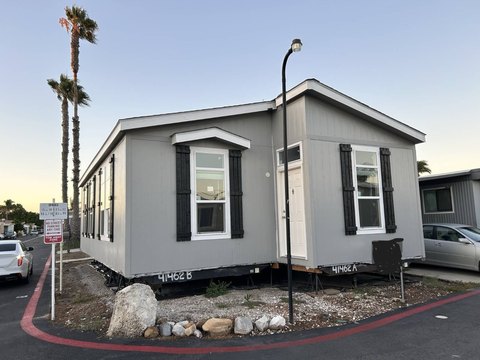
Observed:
{"x":65,"y":128}
{"x":76,"y":140}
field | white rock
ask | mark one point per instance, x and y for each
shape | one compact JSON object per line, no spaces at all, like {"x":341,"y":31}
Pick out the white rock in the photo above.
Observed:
{"x":183,"y":323}
{"x":243,"y":325}
{"x":134,"y":310}
{"x":197,"y":333}
{"x":262,"y":323}
{"x":277,"y":323}
{"x":178,"y":330}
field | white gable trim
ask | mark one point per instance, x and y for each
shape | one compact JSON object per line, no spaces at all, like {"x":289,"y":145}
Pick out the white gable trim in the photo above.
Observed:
{"x":208,"y":134}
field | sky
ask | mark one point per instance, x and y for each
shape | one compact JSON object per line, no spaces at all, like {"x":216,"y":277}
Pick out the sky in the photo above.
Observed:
{"x":416,"y":61}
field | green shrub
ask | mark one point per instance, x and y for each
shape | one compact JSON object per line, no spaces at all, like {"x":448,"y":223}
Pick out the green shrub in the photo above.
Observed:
{"x":217,"y":289}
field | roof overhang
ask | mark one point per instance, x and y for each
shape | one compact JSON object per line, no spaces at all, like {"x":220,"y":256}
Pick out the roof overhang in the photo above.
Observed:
{"x":474,"y":174}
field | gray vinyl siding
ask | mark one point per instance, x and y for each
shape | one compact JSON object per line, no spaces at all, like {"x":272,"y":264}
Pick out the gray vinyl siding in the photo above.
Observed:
{"x":476,"y":201}
{"x":321,"y":127}
{"x":464,"y":209}
{"x":113,"y":254}
{"x":327,"y":127}
{"x":151,"y":201}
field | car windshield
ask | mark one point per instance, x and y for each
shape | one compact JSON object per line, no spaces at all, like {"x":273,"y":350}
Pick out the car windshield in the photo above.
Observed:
{"x":472,"y":232}
{"x":8,"y":247}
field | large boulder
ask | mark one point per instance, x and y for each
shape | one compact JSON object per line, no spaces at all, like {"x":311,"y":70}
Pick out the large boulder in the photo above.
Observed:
{"x":218,"y":327}
{"x":135,"y":310}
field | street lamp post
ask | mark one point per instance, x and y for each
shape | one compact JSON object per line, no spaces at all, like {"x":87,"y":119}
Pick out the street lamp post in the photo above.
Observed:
{"x":296,"y":46}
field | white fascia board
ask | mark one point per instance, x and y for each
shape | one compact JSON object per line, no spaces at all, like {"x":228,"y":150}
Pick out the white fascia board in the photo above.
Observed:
{"x":338,"y":97}
{"x":208,"y":134}
{"x":195,"y":115}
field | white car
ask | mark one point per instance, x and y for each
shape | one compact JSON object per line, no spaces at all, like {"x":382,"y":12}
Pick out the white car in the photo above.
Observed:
{"x":16,"y":261}
{"x":34,"y":232}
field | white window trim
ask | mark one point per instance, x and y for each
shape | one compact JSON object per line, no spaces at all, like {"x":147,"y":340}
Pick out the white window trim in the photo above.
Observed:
{"x":293,"y":163}
{"x":368,"y":230}
{"x":213,"y":235}
{"x":105,"y":203}
{"x":438,"y":212}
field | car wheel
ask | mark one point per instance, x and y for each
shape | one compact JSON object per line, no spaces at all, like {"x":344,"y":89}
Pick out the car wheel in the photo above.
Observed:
{"x":26,"y":280}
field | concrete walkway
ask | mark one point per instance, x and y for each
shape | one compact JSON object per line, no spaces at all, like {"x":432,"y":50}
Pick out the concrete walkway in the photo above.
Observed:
{"x":444,"y":273}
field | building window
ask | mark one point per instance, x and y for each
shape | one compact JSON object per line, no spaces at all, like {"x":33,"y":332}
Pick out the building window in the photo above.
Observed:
{"x":437,"y":201}
{"x":294,"y":153}
{"x":367,"y":180}
{"x":210,"y":189}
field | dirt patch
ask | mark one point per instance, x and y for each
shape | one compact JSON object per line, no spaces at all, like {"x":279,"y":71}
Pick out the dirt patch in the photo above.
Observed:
{"x":86,"y":303}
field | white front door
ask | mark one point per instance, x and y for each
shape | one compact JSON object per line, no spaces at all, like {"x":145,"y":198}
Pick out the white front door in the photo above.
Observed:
{"x":297,"y":213}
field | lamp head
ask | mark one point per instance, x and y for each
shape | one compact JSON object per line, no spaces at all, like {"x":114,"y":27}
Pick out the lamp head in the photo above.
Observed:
{"x":296,"y":45}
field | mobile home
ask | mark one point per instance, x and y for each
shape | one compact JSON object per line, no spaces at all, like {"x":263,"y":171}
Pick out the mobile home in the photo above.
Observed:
{"x":179,"y":196}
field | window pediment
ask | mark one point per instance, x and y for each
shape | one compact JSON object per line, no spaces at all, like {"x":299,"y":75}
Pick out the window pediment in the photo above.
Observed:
{"x":211,"y":133}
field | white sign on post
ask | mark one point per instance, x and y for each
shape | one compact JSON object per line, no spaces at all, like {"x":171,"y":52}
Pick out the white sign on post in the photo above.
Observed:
{"x":53,"y":211}
{"x":53,"y":214}
{"x":53,"y":233}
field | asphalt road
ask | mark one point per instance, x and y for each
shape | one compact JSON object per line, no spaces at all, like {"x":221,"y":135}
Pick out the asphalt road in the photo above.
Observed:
{"x":414,"y":333}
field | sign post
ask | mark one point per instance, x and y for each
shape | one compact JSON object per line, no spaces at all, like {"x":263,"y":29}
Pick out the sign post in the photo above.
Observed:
{"x":53,"y":215}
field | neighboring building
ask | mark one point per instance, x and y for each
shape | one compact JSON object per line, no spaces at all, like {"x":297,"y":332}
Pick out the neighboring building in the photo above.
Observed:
{"x":7,"y":227}
{"x":451,"y":198}
{"x":195,"y":191}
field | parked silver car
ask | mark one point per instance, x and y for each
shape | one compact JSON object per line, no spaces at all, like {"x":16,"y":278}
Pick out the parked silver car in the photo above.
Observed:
{"x":16,"y":261}
{"x":452,"y":245}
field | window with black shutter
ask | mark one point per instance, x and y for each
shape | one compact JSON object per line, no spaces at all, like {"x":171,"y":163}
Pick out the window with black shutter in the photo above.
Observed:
{"x":201,"y":182}
{"x":367,"y":190}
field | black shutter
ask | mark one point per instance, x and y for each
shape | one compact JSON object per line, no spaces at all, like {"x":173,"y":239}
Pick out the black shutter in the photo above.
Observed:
{"x":87,"y":225}
{"x":236,"y":193}
{"x":99,"y":203}
{"x":348,"y":189}
{"x":112,"y":197}
{"x":387,"y":190}
{"x":184,"y":231}
{"x":94,"y":184}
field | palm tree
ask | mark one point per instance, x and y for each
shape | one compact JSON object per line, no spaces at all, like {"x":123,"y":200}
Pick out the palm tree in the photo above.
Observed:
{"x":64,"y":92}
{"x":422,"y":167}
{"x":8,"y":207}
{"x":80,"y":26}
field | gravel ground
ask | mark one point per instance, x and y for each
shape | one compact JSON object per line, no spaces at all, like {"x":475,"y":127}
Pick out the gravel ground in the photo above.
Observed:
{"x":86,"y":303}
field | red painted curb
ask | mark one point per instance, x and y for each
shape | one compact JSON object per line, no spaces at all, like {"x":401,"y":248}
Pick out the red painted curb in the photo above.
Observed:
{"x":31,"y":329}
